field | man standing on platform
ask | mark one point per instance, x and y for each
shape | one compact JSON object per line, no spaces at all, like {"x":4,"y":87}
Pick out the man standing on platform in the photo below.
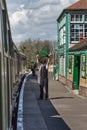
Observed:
{"x":44,"y":79}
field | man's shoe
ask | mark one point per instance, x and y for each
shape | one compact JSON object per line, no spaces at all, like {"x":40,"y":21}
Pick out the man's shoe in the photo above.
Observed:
{"x":46,"y":98}
{"x":40,"y":98}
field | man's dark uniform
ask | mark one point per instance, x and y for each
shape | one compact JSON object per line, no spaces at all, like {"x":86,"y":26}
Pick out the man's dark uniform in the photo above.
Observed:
{"x":43,"y":81}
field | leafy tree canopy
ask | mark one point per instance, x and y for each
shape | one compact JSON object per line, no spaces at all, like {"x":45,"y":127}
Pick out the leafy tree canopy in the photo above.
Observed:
{"x":32,"y":48}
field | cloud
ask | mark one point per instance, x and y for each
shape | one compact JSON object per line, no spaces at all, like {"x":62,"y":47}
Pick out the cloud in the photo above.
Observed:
{"x":19,"y":17}
{"x":36,"y":19}
{"x":64,"y":2}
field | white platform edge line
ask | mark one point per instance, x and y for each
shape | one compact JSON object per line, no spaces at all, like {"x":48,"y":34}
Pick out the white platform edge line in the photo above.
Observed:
{"x":20,"y":106}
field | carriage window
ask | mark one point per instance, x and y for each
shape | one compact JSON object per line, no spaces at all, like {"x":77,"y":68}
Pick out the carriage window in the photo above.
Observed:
{"x":0,"y":33}
{"x":4,"y":30}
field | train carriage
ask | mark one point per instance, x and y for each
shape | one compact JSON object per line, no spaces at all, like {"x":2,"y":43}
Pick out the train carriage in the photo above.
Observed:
{"x":9,"y":71}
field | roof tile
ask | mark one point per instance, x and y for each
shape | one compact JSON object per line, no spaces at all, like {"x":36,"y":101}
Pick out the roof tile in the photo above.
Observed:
{"x":79,"y":46}
{"x":81,"y":4}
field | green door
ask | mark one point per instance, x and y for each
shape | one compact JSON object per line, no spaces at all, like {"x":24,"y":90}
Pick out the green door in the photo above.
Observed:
{"x":76,"y":74}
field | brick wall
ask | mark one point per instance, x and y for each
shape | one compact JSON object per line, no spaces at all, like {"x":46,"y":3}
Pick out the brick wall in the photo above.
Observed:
{"x":62,"y":79}
{"x":69,"y":84}
{"x":83,"y":91}
{"x":66,"y":82}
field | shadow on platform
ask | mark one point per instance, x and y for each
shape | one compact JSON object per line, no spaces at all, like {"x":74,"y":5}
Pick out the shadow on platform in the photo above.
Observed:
{"x":52,"y":118}
{"x":61,"y":98}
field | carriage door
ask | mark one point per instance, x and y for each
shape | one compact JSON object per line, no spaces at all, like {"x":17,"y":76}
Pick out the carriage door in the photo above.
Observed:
{"x":76,"y":74}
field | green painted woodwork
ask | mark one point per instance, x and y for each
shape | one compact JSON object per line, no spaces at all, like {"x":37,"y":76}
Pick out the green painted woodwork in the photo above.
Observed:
{"x":58,"y":34}
{"x":62,"y":49}
{"x":76,"y":74}
{"x":67,"y":34}
{"x":62,"y":22}
{"x":55,"y":71}
{"x":77,"y":52}
{"x":83,"y":66}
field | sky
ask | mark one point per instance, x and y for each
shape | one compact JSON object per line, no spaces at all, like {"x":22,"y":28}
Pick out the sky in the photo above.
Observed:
{"x":35,"y":19}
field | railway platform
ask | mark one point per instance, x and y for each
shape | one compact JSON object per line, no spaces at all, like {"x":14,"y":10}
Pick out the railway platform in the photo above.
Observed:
{"x":64,"y":110}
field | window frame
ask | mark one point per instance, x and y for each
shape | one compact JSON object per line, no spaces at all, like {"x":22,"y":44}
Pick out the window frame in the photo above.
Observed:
{"x":78,"y":32}
{"x":62,"y":35}
{"x":70,"y":64}
{"x":83,"y":66}
{"x":85,"y":17}
{"x":76,"y":18}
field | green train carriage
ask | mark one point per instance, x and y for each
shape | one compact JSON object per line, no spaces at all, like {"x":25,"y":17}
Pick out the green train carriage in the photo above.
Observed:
{"x":9,"y":71}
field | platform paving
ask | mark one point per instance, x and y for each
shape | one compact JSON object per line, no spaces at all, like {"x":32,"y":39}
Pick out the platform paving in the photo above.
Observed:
{"x":32,"y":117}
{"x":64,"y":110}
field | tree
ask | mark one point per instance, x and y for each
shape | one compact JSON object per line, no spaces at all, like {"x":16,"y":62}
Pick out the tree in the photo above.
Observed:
{"x":33,"y":47}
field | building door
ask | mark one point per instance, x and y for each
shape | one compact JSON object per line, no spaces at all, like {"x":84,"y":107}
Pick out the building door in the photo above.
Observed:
{"x":76,"y":74}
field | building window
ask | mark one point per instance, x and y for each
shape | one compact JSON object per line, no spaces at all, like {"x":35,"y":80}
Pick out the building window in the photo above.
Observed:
{"x":78,"y":32}
{"x":85,"y":17}
{"x":83,"y":66}
{"x":76,"y":17}
{"x":85,"y":29}
{"x":70,"y":64}
{"x":62,"y":35}
{"x":72,"y":17}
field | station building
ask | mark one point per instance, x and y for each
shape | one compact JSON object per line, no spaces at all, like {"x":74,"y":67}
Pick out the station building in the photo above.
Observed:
{"x":72,"y":46}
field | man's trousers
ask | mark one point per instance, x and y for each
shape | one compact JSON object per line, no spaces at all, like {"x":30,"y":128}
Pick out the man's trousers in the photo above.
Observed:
{"x":43,"y":83}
